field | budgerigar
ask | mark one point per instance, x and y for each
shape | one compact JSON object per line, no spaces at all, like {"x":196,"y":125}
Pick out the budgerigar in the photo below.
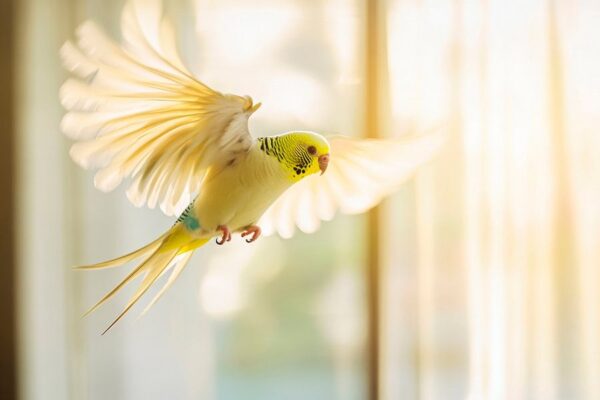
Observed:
{"x":138,"y":113}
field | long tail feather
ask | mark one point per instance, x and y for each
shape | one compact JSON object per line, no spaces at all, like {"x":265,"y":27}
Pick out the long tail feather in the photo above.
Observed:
{"x":132,"y":275}
{"x":115,"y":262}
{"x":159,"y":263}
{"x":178,"y":266}
{"x":170,"y":251}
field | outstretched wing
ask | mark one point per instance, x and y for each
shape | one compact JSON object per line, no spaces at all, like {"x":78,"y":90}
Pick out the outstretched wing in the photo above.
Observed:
{"x":138,"y":113}
{"x":360,"y":174}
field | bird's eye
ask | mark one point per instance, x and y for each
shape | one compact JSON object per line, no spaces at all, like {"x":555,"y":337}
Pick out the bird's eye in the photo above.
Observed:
{"x":312,"y":150}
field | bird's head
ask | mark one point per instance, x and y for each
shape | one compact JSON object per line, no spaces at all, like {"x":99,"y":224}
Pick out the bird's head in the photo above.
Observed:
{"x":301,"y":153}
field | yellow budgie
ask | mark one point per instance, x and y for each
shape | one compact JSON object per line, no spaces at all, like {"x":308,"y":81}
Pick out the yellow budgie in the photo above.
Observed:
{"x":137,"y":113}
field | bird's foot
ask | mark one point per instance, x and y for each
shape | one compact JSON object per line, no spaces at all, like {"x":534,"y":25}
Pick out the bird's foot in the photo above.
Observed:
{"x":254,"y":230}
{"x":226,"y":234}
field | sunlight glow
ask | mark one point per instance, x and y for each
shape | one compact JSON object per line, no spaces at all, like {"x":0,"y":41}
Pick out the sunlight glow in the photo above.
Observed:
{"x":223,"y":291}
{"x":344,"y":20}
{"x":297,"y":96}
{"x":221,"y":295}
{"x":525,"y":133}
{"x":239,"y":33}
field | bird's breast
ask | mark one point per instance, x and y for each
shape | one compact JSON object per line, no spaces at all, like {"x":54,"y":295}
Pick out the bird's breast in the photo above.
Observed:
{"x":240,"y":193}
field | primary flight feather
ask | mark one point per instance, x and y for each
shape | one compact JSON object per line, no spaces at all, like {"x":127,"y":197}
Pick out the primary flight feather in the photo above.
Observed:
{"x":139,"y":115}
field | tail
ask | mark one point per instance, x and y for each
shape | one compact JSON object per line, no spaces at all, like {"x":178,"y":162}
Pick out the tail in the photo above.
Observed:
{"x":170,"y":251}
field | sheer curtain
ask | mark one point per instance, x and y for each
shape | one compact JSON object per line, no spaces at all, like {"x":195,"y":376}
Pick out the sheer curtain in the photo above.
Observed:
{"x":502,"y":299}
{"x":489,"y":273}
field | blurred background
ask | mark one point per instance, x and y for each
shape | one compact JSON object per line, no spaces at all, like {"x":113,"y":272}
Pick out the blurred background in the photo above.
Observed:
{"x":479,"y":280}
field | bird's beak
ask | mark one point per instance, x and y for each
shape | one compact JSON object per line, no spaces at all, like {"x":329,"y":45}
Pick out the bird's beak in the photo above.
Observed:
{"x":323,"y":162}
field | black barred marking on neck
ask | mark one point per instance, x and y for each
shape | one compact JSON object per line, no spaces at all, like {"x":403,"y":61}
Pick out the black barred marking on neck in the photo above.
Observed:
{"x":272,"y":146}
{"x":293,"y":156}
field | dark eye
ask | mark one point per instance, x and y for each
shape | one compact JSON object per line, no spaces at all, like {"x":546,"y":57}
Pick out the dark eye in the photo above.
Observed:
{"x":312,"y":150}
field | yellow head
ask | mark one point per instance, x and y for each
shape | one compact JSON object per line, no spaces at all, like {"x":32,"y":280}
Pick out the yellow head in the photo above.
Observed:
{"x":300,"y":153}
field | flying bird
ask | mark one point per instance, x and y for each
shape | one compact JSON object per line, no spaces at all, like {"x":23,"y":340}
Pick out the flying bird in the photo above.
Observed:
{"x":138,"y":114}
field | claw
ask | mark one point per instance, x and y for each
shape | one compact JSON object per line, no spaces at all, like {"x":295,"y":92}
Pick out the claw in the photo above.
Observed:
{"x":225,"y":237}
{"x":254,"y":230}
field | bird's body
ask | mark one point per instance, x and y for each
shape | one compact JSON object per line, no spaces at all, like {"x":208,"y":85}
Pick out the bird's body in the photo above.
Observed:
{"x":253,"y":177}
{"x":239,"y":193}
{"x":235,"y":196}
{"x":137,"y":113}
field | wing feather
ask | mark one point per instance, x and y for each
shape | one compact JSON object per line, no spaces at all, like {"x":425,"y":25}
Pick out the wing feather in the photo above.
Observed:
{"x":360,"y":174}
{"x":137,"y":112}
